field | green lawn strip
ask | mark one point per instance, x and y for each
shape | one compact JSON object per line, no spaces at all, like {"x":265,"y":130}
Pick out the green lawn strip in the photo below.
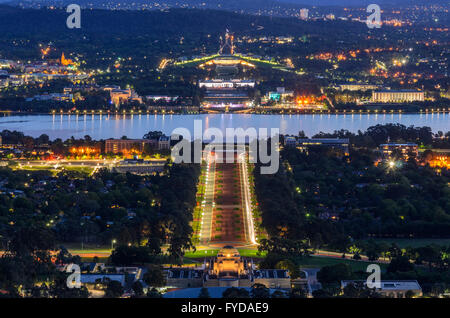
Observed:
{"x":201,"y":253}
{"x":87,"y":248}
{"x":86,"y":170}
{"x":213,"y":252}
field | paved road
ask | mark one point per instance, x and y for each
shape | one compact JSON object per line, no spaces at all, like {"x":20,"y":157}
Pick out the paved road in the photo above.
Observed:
{"x":86,"y":163}
{"x":246,"y":200}
{"x":208,"y":200}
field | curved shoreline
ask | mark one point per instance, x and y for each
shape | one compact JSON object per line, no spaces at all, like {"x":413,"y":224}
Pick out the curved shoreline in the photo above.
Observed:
{"x":249,"y":111}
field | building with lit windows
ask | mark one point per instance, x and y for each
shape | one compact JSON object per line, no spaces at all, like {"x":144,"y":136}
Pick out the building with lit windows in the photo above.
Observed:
{"x":357,"y":87}
{"x":438,"y":158}
{"x":290,"y":141}
{"x":281,"y":95}
{"x":304,"y":14}
{"x":224,"y":84}
{"x":128,"y":146}
{"x":7,"y":63}
{"x":404,"y":150}
{"x":120,"y":96}
{"x":402,"y":96}
{"x":164,"y":143}
{"x":222,"y":93}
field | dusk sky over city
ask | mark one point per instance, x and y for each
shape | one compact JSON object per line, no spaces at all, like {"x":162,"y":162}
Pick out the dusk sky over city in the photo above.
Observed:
{"x":216,"y":157}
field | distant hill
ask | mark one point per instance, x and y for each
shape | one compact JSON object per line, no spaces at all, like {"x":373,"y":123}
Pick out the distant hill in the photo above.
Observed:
{"x":233,"y":4}
{"x":200,"y":4}
{"x":151,"y":33}
{"x":177,"y":22}
{"x":358,"y":2}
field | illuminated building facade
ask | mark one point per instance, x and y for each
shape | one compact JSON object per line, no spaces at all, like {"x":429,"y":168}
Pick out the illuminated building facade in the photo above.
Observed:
{"x":304,"y":14}
{"x":65,"y":61}
{"x":403,"y":150}
{"x":280,"y":95}
{"x":439,"y":158}
{"x":120,"y":96}
{"x":388,"y":96}
{"x":228,"y":269}
{"x":85,"y":151}
{"x":220,"y":83}
{"x":7,"y":63}
{"x":357,"y":87}
{"x":227,"y":90}
{"x":164,"y":143}
{"x":127,"y":146}
{"x":226,"y":93}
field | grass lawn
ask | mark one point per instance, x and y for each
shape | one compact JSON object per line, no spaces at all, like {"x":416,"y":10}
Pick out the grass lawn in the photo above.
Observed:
{"x":201,"y":253}
{"x":35,"y":168}
{"x":75,"y":248}
{"x":251,"y":253}
{"x":402,"y":243}
{"x":86,"y":170}
{"x":213,"y":252}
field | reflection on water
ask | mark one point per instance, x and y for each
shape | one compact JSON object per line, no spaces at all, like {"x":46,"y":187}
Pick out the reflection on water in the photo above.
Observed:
{"x":135,"y":126}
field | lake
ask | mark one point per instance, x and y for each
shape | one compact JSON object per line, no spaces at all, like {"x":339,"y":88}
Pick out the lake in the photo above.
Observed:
{"x":135,"y":126}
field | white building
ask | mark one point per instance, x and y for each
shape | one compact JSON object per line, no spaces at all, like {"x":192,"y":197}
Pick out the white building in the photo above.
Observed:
{"x":120,"y":96}
{"x":7,"y":64}
{"x":219,"y":83}
{"x":392,"y":288}
{"x":357,"y":87}
{"x":388,"y":96}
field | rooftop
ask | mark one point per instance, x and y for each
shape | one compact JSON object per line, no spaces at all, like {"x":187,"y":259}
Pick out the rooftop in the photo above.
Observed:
{"x":324,"y":140}
{"x":391,"y":284}
{"x":408,"y":144}
{"x":398,"y":91}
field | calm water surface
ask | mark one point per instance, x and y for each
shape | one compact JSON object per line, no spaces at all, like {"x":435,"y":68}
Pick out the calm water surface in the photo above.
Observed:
{"x":135,"y":126}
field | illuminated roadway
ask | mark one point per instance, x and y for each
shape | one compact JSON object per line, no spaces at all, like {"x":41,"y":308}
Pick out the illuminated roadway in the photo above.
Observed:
{"x":246,"y":200}
{"x":208,"y":200}
{"x":208,"y":204}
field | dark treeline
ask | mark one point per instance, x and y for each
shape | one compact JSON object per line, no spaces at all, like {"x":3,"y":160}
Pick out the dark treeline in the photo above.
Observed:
{"x":58,"y":148}
{"x":132,"y":209}
{"x":40,"y":212}
{"x":317,"y":193}
{"x":160,"y":24}
{"x":343,"y":203}
{"x":379,"y":134}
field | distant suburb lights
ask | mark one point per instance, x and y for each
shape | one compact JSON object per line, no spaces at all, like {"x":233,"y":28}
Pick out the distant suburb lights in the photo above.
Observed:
{"x":74,"y":19}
